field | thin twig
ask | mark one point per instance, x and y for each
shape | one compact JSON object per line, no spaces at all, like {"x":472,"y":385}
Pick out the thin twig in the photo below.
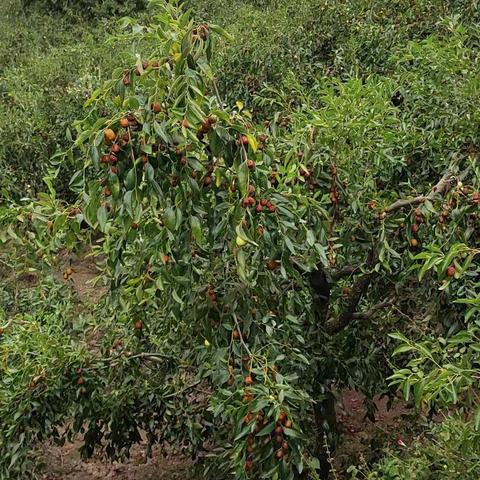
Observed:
{"x":188,"y":387}
{"x":241,"y":336}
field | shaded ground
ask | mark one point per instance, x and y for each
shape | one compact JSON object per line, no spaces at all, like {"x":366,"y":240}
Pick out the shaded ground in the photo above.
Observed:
{"x":65,"y":463}
{"x":362,"y":437}
{"x":83,"y":277}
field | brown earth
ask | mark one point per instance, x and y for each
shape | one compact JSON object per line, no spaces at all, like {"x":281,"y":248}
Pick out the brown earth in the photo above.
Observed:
{"x":359,"y":432}
{"x":84,"y":279}
{"x":62,"y":463}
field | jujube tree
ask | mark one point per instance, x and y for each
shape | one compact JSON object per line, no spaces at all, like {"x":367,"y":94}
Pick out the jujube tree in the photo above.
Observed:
{"x":253,"y":266}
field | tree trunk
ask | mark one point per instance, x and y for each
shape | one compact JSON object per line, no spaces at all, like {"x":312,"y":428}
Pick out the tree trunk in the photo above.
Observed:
{"x":326,"y":423}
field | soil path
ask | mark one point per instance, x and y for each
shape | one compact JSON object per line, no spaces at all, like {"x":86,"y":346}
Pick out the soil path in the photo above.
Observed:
{"x":62,"y":463}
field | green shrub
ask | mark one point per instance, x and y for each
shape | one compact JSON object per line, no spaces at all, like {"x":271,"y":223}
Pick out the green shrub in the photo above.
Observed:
{"x":208,"y":294}
{"x":313,"y":38}
{"x":91,"y":8}
{"x":449,"y":451}
{"x":49,"y":68}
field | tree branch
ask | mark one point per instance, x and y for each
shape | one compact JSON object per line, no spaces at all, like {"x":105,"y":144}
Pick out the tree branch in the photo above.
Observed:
{"x":344,"y":272}
{"x":359,"y":288}
{"x":183,"y":390}
{"x":242,"y":341}
{"x":336,"y":325}
{"x":154,"y":357}
{"x":441,"y":187}
{"x":371,"y":311}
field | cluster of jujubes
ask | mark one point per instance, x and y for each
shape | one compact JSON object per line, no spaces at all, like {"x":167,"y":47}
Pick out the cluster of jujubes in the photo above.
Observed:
{"x":276,"y":438}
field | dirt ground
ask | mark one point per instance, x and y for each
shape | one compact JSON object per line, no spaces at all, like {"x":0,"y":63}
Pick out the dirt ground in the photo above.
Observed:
{"x":360,"y":434}
{"x":83,"y":278}
{"x":64,"y":463}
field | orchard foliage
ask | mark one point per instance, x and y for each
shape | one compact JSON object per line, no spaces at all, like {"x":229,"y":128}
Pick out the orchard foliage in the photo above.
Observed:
{"x":449,"y":450}
{"x":253,"y":268}
{"x":50,"y":66}
{"x":89,"y":8}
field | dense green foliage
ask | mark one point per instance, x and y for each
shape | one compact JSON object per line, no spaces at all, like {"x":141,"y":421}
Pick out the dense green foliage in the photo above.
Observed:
{"x":49,"y":67}
{"x":450,"y":450}
{"x":313,"y":38}
{"x":51,"y":64}
{"x":87,"y":8}
{"x":214,"y":180}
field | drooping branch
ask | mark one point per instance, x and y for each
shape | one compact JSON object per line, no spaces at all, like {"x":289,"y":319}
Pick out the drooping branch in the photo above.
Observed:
{"x":443,"y":185}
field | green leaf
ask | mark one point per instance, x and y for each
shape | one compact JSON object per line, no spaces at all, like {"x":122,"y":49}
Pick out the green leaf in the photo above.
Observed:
{"x":223,"y":33}
{"x":290,"y":432}
{"x":130,"y":179}
{"x":477,"y":420}
{"x":247,"y":429}
{"x":160,"y":131}
{"x":243,"y":178}
{"x":241,"y":233}
{"x":177,"y":298}
{"x":196,"y":229}
{"x":402,"y":349}
{"x":241,"y":269}
{"x":252,"y":142}
{"x":398,"y":336}
{"x":77,"y":181}
{"x":169,"y":218}
{"x":102,"y":217}
{"x":266,"y":430}
{"x":310,"y":238}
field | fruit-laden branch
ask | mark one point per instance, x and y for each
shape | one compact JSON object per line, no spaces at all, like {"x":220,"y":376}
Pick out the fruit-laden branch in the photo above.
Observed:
{"x":443,"y":185}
